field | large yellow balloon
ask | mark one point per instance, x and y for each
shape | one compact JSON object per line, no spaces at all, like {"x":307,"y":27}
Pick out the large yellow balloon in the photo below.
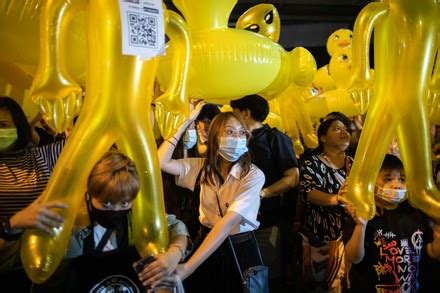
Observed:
{"x":20,"y":34}
{"x":335,"y":100}
{"x":434,"y":92}
{"x":296,"y":120}
{"x":115,"y":110}
{"x":405,"y":44}
{"x":262,"y":19}
{"x":322,"y":81}
{"x":274,"y":119}
{"x":228,"y":63}
{"x":15,"y":83}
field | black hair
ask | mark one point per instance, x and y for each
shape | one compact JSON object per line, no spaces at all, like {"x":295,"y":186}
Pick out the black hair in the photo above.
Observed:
{"x":24,"y":131}
{"x":257,"y":105}
{"x":392,"y":163}
{"x":324,"y":127}
{"x":211,"y":168}
{"x":342,"y":117}
{"x":208,"y":111}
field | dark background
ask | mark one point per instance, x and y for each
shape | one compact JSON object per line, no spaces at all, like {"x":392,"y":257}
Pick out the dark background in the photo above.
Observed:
{"x":305,"y":23}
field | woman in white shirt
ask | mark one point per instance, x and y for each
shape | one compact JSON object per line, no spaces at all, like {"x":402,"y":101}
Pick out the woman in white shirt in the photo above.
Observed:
{"x":230,"y":182}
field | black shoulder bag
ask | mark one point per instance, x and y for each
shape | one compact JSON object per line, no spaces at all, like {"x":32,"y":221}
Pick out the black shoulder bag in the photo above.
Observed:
{"x":254,"y":279}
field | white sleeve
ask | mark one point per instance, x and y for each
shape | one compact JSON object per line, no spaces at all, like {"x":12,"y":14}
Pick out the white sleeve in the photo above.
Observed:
{"x":189,"y":171}
{"x":247,"y":201}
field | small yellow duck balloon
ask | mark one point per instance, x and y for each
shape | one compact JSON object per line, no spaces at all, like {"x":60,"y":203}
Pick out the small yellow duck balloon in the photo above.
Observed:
{"x":339,"y":39}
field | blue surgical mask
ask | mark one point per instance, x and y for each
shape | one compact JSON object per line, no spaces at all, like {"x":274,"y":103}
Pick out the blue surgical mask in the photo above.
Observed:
{"x":189,"y":138}
{"x":8,"y":136}
{"x":232,"y":148}
{"x":391,"y":195}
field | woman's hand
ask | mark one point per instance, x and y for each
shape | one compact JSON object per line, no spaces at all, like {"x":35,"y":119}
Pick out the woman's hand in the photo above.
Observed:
{"x":38,"y":215}
{"x":175,"y":278}
{"x":169,"y":279}
{"x":162,"y":267}
{"x":340,"y":197}
{"x":196,"y":111}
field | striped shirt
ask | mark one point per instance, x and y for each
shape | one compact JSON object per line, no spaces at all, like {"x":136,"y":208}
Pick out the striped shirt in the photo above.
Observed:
{"x":24,"y":175}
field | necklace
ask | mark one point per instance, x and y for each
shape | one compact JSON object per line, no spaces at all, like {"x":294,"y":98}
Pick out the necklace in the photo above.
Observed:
{"x":337,"y":175}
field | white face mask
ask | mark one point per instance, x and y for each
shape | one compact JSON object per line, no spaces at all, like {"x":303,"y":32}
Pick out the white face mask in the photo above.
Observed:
{"x":232,"y":148}
{"x":189,"y":139}
{"x":391,"y":195}
{"x":8,"y":136}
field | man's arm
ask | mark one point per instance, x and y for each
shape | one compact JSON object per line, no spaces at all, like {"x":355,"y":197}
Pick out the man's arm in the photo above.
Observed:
{"x":289,"y":180}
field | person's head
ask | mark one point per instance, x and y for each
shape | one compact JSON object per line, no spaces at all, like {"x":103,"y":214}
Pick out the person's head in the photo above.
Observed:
{"x":15,"y":131}
{"x":189,"y":138}
{"x":203,"y":120}
{"x":333,"y":132}
{"x":251,"y":106}
{"x":227,"y":142}
{"x":112,"y":186}
{"x":390,"y":187}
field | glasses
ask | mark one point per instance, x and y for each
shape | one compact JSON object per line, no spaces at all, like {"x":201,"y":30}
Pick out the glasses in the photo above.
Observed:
{"x":230,"y":132}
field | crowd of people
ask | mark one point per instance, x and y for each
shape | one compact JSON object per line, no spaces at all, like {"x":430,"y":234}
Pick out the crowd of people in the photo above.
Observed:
{"x":228,"y":177}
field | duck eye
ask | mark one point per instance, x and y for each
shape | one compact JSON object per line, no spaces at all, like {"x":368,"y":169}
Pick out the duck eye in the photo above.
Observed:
{"x":268,"y":18}
{"x":336,"y":37}
{"x":344,"y":57}
{"x":253,"y":28}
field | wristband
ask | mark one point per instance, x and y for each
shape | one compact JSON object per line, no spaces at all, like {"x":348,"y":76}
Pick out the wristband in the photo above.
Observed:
{"x":169,"y":141}
{"x":6,"y":232}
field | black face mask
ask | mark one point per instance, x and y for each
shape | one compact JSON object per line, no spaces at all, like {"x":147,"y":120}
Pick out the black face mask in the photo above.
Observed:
{"x":109,"y":219}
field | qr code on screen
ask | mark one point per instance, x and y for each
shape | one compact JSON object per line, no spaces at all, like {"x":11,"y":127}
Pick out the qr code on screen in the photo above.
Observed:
{"x":143,"y":30}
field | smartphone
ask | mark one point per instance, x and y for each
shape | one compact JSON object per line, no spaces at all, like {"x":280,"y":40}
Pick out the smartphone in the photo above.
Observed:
{"x":139,"y":265}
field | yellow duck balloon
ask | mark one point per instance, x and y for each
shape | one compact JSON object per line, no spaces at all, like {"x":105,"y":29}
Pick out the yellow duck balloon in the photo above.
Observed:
{"x":405,"y":44}
{"x":228,"y":63}
{"x":338,"y":40}
{"x":115,"y":110}
{"x":338,"y":99}
{"x":262,"y":19}
{"x":322,"y":80}
{"x":287,"y":111}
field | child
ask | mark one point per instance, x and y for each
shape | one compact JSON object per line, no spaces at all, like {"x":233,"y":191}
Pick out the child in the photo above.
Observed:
{"x":385,"y":252}
{"x":102,"y":254}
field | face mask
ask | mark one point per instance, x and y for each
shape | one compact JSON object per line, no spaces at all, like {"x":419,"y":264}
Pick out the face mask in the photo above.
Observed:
{"x":8,"y":136}
{"x":391,"y":195}
{"x":232,"y":148}
{"x":189,"y":138}
{"x":109,"y":219}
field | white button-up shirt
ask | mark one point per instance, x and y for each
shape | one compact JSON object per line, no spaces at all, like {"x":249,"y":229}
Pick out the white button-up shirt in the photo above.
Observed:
{"x":240,"y":195}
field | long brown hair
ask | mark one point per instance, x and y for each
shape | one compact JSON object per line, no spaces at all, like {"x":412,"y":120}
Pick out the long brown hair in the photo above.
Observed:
{"x":211,"y":168}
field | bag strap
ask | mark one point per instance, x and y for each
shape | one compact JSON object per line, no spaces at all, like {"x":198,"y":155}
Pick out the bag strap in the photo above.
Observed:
{"x":232,"y":245}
